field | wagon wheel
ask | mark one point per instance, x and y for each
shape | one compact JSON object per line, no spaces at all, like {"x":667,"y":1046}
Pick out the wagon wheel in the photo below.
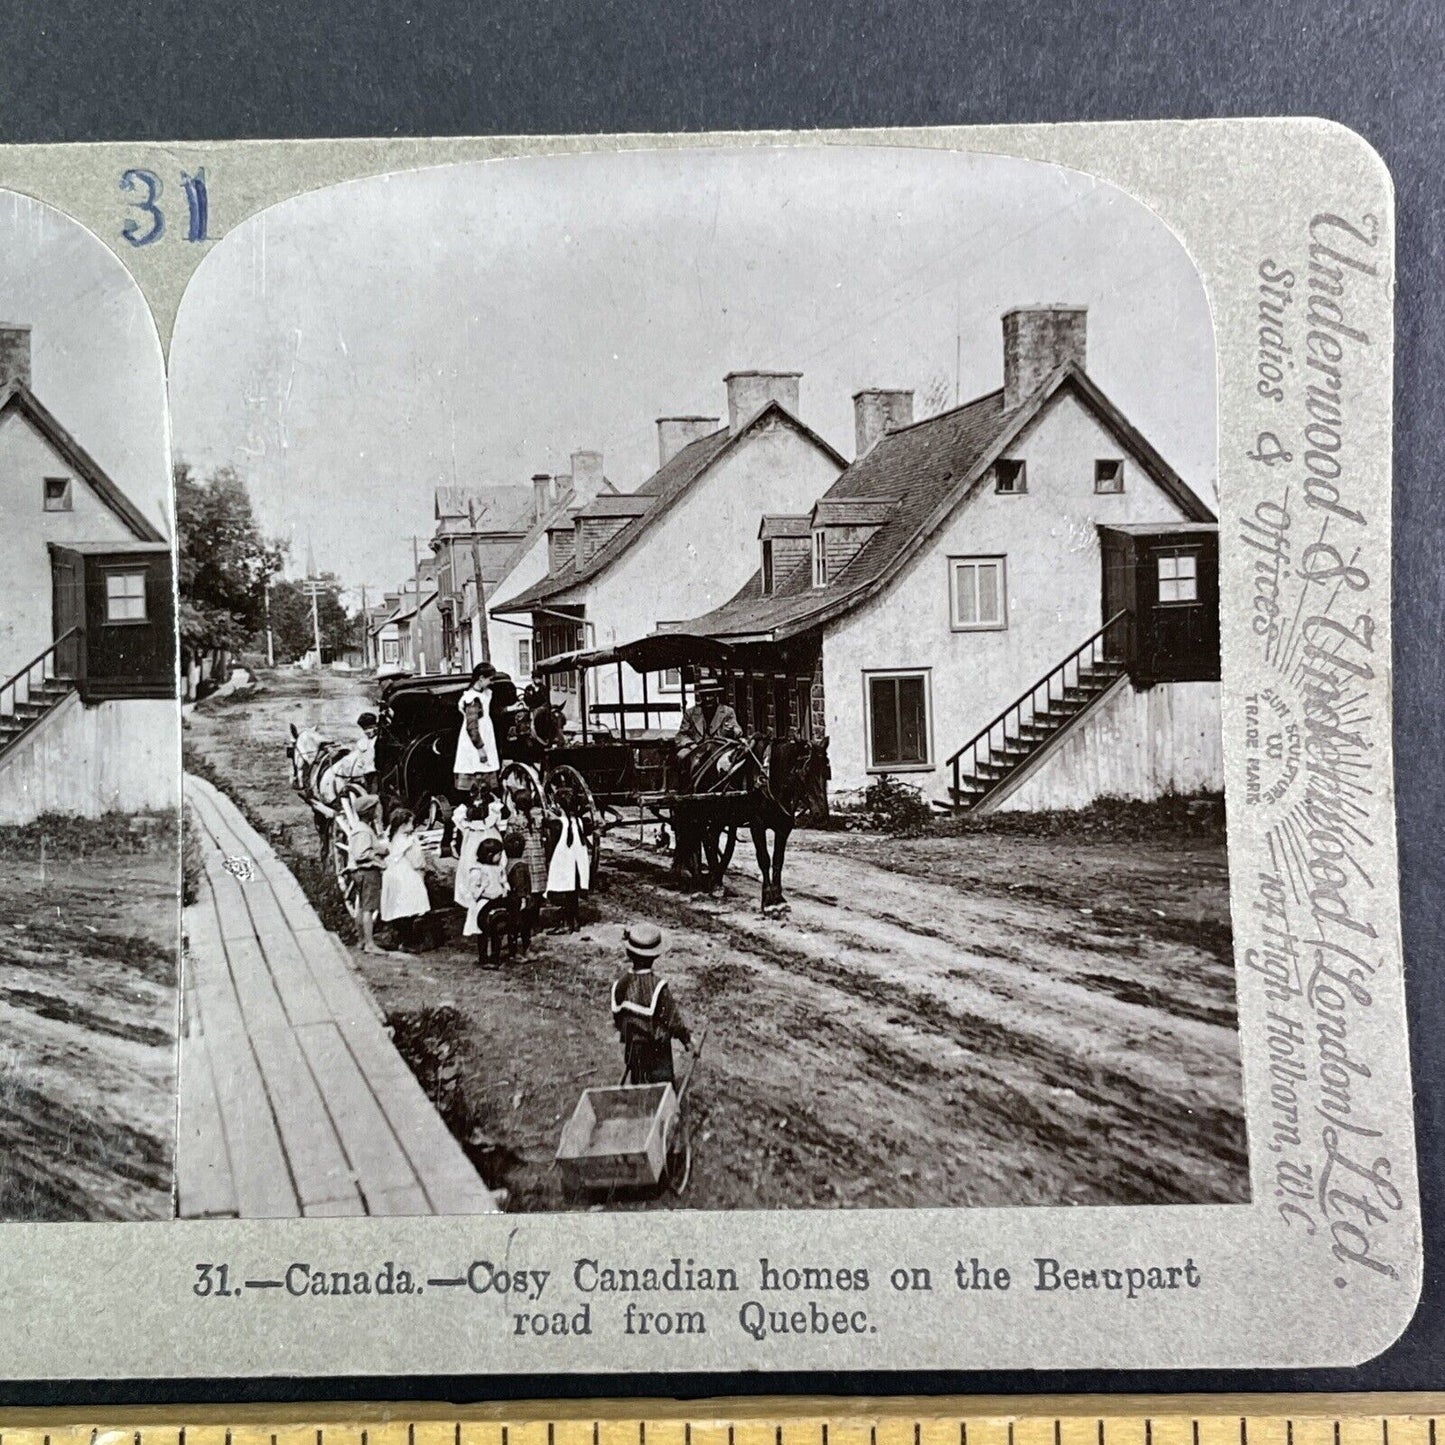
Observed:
{"x":677,"y":1159}
{"x":566,"y":777}
{"x":339,"y":859}
{"x":517,"y":776}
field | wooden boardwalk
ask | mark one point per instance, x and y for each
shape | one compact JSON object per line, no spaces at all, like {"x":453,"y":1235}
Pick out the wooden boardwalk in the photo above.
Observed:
{"x":293,"y":1099}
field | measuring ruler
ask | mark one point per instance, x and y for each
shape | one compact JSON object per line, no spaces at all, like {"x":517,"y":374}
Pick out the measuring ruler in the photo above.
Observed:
{"x":999,"y":1420}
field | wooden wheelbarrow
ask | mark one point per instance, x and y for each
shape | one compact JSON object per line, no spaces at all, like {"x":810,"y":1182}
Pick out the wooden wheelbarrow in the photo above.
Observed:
{"x":634,"y":1136}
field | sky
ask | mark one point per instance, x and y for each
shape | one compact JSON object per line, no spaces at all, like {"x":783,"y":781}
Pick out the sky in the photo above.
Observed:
{"x":95,"y":356}
{"x":351,"y":349}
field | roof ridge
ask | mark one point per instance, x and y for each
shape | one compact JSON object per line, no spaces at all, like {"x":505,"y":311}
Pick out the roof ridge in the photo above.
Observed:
{"x":938,"y":415}
{"x":91,"y":472}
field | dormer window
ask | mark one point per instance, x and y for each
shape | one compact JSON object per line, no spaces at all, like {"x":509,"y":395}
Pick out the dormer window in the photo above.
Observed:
{"x":820,"y":558}
{"x":1011,"y":478}
{"x":768,"y":568}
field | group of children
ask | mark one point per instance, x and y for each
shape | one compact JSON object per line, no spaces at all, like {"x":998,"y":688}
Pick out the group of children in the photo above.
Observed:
{"x":509,"y":859}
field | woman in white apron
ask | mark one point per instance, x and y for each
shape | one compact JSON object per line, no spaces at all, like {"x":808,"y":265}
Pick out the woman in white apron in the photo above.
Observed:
{"x":477,"y":758}
{"x":569,"y":873}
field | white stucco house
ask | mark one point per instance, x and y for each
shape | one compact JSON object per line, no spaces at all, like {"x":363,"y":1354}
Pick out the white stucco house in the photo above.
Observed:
{"x":625,"y":564}
{"x":556,"y":502}
{"x":88,"y":715}
{"x":1012,"y":604}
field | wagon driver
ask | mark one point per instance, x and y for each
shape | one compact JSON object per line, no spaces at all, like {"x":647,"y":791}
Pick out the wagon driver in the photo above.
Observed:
{"x":477,"y":758}
{"x":708,"y":719}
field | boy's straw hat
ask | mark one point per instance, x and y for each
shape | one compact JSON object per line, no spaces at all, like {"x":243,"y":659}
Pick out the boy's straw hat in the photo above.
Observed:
{"x":643,"y":941}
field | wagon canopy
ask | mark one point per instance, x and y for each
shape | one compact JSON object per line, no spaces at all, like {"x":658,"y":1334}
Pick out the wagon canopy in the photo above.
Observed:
{"x":654,"y":653}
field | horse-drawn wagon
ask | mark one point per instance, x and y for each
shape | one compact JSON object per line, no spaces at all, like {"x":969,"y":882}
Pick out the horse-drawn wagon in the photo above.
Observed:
{"x":418,"y":720}
{"x":764,"y":782}
{"x":619,"y":765}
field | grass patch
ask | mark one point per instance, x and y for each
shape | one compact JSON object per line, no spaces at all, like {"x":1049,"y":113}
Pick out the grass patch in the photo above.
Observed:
{"x":316,"y":880}
{"x":190,"y":859}
{"x":76,"y":839}
{"x":1195,"y":818}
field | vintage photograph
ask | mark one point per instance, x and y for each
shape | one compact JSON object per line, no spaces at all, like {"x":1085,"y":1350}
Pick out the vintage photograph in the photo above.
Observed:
{"x":89,"y":735}
{"x":701,"y":681}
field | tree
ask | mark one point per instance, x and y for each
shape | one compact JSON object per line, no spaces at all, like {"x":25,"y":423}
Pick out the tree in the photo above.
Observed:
{"x":291,"y":619}
{"x":224,"y":563}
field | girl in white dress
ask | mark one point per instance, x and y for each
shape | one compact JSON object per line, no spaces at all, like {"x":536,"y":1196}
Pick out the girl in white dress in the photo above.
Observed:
{"x":487,"y":913}
{"x":478,"y":818}
{"x":569,"y":871}
{"x":403,"y":880}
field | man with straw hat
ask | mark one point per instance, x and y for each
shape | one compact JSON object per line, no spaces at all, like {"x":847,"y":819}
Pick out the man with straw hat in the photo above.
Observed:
{"x":644,"y":1012}
{"x":707,"y":723}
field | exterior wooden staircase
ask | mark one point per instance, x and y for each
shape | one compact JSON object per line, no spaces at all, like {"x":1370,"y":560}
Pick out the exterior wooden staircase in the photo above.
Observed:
{"x":1029,"y":723}
{"x":36,"y":690}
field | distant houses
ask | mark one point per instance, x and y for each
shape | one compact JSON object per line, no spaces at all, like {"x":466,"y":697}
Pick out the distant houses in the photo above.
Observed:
{"x":88,"y":663}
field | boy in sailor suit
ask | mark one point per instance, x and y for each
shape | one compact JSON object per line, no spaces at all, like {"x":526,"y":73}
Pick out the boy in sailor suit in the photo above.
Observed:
{"x":644,"y":1012}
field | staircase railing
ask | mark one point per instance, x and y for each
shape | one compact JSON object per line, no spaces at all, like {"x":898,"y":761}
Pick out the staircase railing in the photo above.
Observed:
{"x":61,"y":661}
{"x":1111,"y":643}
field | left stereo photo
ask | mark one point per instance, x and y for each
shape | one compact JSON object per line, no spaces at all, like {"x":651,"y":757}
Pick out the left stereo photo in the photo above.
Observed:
{"x":90,"y":867}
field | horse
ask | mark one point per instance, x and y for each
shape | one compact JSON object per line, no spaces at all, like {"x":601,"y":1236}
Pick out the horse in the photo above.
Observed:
{"x":321,"y":771}
{"x":764,"y":783}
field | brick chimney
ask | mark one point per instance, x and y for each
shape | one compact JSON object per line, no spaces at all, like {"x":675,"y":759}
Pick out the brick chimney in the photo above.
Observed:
{"x":676,"y":432}
{"x":1036,"y":341}
{"x":586,"y":477}
{"x":14,"y":354}
{"x":543,"y":495}
{"x":750,"y":391}
{"x":877,"y":412}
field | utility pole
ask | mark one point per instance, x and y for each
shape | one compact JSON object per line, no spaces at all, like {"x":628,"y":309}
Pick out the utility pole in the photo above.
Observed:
{"x":270,"y":639}
{"x":418,"y":657}
{"x":312,"y":587}
{"x":484,"y":640}
{"x":365,"y":630}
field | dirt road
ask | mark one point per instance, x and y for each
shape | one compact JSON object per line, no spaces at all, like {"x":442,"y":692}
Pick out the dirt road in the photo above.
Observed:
{"x":1040,"y":1013}
{"x":88,"y":999}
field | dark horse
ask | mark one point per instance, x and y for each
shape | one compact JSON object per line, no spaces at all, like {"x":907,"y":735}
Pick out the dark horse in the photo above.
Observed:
{"x":765,"y":784}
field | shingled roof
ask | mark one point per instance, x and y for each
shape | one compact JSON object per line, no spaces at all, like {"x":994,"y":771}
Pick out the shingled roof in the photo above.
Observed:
{"x":497,"y":509}
{"x":18,"y":397}
{"x":666,"y":486}
{"x":931,"y":468}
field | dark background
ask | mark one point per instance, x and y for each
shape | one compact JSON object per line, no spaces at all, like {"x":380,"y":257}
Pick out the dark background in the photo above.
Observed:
{"x":202,"y":69}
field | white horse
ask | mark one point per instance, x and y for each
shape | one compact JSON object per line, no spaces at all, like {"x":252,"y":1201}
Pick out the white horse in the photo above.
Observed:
{"x":324,"y":772}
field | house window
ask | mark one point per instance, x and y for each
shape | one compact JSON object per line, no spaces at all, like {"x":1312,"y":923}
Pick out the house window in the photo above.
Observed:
{"x":1178,"y":577}
{"x":58,"y":494}
{"x":820,"y":558}
{"x":524,"y":657}
{"x":767,"y":569}
{"x":898,"y":724}
{"x":978,"y":600}
{"x":125,"y":596}
{"x":1109,"y":475}
{"x":390,"y":649}
{"x":671,"y":680}
{"x":1012,"y":478}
